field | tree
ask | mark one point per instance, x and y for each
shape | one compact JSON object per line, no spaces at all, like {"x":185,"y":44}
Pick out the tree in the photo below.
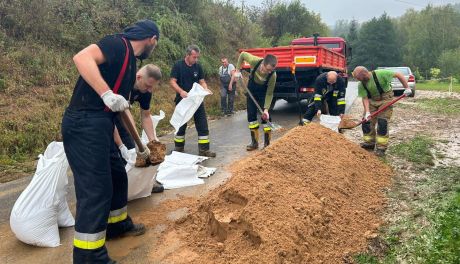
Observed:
{"x":449,"y":63}
{"x":293,"y":18}
{"x":429,"y":33}
{"x":377,"y":45}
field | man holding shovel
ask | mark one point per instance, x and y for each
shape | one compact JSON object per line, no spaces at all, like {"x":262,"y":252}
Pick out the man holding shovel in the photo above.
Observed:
{"x":107,"y":74}
{"x":375,"y":89}
{"x":330,"y":89}
{"x":261,"y":84}
{"x":147,"y":78}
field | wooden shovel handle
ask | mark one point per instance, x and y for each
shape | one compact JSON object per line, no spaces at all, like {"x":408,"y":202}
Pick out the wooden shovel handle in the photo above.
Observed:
{"x":124,"y":115}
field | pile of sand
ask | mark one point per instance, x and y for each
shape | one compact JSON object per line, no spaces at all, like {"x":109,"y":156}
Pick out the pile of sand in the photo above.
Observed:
{"x":311,"y":197}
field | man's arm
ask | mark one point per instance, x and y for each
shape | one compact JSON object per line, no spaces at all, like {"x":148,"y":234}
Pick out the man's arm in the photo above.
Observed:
{"x":203,"y":83}
{"x":87,"y":61}
{"x":176,"y":88}
{"x":117,"y":138}
{"x":147,"y":124}
{"x":366,"y":106}
{"x":402,"y":79}
{"x":270,"y":89}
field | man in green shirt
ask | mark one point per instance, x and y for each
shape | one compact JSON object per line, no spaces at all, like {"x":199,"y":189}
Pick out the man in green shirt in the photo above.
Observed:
{"x":261,"y":84}
{"x":375,"y":89}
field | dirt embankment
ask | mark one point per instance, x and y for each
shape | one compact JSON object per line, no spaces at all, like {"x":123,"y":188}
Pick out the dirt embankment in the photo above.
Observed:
{"x":311,"y":197}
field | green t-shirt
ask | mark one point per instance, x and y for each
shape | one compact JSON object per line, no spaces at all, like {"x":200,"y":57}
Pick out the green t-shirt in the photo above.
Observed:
{"x":258,"y":76}
{"x":384,"y":76}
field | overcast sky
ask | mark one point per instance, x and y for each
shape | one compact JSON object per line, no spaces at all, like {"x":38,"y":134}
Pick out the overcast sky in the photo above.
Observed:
{"x":362,"y":10}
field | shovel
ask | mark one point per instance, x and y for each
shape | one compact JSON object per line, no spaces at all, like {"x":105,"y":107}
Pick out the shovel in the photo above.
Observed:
{"x":350,"y":124}
{"x":270,"y":124}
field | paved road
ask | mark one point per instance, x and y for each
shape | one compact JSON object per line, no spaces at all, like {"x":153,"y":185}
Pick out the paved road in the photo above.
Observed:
{"x":228,"y":136}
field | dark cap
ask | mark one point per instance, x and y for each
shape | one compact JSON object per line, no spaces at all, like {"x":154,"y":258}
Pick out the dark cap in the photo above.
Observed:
{"x":141,"y":30}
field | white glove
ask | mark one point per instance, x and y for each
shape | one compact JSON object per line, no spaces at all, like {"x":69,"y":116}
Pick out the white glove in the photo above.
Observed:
{"x":115,"y":102}
{"x":144,"y":155}
{"x":367,"y":116}
{"x":407,"y":92}
{"x":124,"y":151}
{"x":237,"y":74}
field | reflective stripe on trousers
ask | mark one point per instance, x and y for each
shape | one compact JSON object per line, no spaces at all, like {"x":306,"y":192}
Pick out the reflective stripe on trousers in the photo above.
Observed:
{"x":89,"y":241}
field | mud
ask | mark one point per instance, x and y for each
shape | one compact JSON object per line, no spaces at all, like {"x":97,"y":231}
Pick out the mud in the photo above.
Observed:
{"x":310,"y":197}
{"x":157,"y":152}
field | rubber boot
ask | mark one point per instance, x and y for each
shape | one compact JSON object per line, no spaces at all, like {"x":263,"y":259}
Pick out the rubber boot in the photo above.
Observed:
{"x":267,"y":137}
{"x":203,"y":150}
{"x":179,"y":149}
{"x":254,"y":140}
{"x":380,"y":152}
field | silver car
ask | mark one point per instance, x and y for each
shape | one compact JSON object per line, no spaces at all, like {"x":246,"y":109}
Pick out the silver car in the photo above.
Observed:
{"x":396,"y":84}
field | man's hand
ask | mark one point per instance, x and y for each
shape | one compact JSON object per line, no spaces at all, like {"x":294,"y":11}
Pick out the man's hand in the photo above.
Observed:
{"x":115,"y":102}
{"x":318,"y":114}
{"x":124,"y":151}
{"x":367,"y":116}
{"x":265,"y":115}
{"x":407,"y":91}
{"x":144,"y":155}
{"x":183,"y":94}
{"x":237,"y":74}
{"x":230,"y":87}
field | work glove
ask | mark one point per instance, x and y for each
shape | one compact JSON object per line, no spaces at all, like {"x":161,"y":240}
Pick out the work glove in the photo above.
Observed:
{"x":144,"y":155}
{"x":124,"y":151}
{"x":265,"y":116}
{"x":407,"y":92}
{"x":114,"y":102}
{"x":367,"y":116}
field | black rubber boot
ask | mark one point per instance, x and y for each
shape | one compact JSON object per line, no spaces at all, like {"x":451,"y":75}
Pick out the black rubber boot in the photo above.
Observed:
{"x":254,"y":140}
{"x":203,"y":150}
{"x":380,"y":152}
{"x":267,"y":138}
{"x":368,"y":146}
{"x":179,"y":149}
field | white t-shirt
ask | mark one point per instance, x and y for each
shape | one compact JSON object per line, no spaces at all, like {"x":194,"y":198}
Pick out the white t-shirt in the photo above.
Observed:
{"x":223,"y":71}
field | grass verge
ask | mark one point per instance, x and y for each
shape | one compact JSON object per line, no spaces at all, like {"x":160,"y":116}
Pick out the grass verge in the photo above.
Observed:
{"x":440,"y":106}
{"x":426,"y":228}
{"x":437,"y":86}
{"x":417,"y":151}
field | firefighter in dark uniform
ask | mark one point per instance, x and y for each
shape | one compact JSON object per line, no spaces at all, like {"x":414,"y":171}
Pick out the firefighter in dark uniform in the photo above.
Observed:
{"x":184,"y":73}
{"x":329,"y":89}
{"x":261,"y":84}
{"x":107,"y":74}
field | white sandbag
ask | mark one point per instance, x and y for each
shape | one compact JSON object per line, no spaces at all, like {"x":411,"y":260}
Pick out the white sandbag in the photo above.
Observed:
{"x":130,"y":158}
{"x":42,"y":206}
{"x":140,"y":183}
{"x":181,"y":170}
{"x":187,"y":107}
{"x":155,"y":120}
{"x":174,"y":176}
{"x":331,"y":122}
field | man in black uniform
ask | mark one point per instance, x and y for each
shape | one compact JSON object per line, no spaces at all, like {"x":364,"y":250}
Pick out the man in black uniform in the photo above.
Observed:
{"x":184,"y":73}
{"x":329,"y":88}
{"x":107,"y":74}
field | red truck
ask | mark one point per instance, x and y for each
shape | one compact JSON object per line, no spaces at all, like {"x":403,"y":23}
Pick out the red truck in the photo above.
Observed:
{"x":300,"y":63}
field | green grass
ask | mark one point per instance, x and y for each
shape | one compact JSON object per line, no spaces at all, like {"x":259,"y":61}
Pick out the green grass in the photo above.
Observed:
{"x":430,"y":233}
{"x":442,"y":106}
{"x":437,"y":86}
{"x":417,"y":150}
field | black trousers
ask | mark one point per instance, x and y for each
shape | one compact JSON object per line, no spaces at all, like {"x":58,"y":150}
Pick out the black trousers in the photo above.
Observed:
{"x":201,"y":125}
{"x":331,"y":103}
{"x":101,"y":183}
{"x":227,"y":97}
{"x":252,"y":108}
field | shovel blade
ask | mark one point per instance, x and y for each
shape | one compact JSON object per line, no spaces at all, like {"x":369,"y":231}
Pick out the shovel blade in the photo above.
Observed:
{"x":347,"y":123}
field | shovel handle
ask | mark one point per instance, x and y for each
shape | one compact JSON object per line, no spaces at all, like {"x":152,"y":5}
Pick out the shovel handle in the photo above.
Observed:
{"x":383,"y":108}
{"x":131,"y":129}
